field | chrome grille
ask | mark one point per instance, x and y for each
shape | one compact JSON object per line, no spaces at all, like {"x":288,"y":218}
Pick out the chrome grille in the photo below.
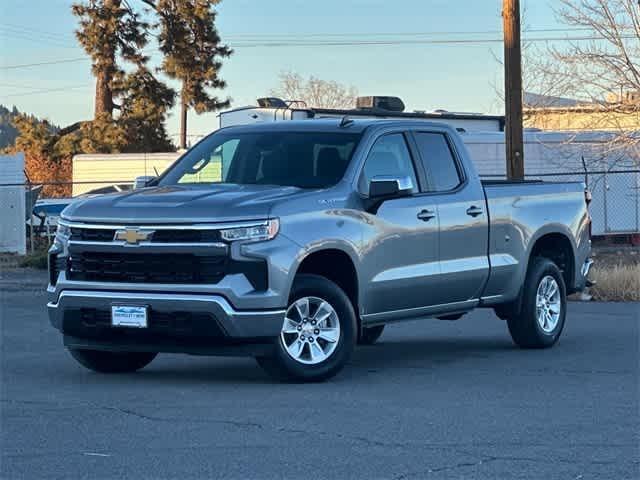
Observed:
{"x":159,"y":236}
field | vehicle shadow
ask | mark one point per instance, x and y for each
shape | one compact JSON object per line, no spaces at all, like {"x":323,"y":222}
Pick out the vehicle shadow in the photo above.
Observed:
{"x":428,"y":352}
{"x":424,"y":353}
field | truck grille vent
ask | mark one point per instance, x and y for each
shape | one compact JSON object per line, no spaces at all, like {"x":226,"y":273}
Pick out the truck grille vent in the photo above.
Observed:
{"x":146,"y":268}
{"x":92,"y":234}
{"x":159,"y":236}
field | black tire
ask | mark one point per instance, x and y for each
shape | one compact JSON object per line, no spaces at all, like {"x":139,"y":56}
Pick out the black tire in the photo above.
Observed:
{"x":370,"y":335}
{"x":112,"y":362}
{"x":524,"y":327}
{"x":283,"y":367}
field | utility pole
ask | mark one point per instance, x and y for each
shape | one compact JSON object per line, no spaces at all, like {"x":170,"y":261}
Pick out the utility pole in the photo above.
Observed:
{"x":183,"y":124}
{"x":513,"y":89}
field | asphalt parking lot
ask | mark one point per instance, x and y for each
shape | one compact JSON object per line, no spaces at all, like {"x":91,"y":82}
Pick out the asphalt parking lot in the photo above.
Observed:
{"x":434,"y":399}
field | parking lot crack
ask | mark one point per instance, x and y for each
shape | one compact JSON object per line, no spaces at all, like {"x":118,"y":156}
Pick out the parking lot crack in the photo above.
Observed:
{"x":235,"y":423}
{"x":467,"y":464}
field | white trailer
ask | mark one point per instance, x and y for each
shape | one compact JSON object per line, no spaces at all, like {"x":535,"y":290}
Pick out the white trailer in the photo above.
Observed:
{"x":94,"y":171}
{"x":277,"y":110}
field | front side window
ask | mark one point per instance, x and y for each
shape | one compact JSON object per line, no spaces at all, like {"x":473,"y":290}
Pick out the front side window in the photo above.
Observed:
{"x":438,"y":161}
{"x":389,"y":156}
{"x":299,"y":159}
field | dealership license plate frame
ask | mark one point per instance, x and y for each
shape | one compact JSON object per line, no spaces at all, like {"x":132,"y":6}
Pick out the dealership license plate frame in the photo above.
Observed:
{"x":130,"y":316}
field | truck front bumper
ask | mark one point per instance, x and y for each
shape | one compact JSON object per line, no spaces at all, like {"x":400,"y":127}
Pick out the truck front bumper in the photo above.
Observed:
{"x":179,"y":323}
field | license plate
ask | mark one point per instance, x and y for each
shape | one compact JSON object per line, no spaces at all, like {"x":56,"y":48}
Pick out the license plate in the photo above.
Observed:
{"x":128,"y":316}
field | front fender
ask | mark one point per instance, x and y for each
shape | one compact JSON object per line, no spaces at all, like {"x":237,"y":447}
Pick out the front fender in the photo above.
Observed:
{"x":336,"y":229}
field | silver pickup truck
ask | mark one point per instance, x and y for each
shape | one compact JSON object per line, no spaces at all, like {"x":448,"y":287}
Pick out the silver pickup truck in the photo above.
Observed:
{"x":294,"y":241}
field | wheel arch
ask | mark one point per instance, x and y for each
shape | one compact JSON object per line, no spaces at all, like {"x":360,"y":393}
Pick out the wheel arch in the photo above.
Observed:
{"x":554,"y":242}
{"x":557,"y":245}
{"x":336,"y":264}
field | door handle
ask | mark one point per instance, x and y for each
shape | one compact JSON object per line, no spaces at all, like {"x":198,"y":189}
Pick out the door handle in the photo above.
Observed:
{"x":474,"y":211}
{"x":426,"y":215}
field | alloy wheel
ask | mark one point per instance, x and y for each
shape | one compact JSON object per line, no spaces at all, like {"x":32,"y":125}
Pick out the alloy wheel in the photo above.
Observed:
{"x":310,"y":331}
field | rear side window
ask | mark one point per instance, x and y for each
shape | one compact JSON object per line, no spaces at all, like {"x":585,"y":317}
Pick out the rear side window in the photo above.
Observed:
{"x":438,"y":161}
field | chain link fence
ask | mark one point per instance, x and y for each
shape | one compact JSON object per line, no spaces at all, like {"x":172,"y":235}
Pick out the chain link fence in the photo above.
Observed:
{"x":615,"y":208}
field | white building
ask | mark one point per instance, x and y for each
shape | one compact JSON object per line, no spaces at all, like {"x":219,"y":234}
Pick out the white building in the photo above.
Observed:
{"x":94,"y":171}
{"x":12,"y":204}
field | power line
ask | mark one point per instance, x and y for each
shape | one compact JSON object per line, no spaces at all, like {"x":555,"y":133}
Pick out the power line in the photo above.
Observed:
{"x":52,"y":62}
{"x":14,"y":85}
{"x":245,"y":36}
{"x":452,"y":41}
{"x":34,"y":36}
{"x":46,"y":90}
{"x":330,"y":43}
{"x":25,"y":33}
{"x":22,"y":28}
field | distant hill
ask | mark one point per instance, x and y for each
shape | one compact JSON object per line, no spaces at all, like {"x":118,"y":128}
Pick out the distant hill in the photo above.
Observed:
{"x":9,"y":133}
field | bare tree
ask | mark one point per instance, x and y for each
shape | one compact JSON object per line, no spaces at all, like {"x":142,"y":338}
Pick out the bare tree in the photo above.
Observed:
{"x":601,"y":73}
{"x":315,"y":92}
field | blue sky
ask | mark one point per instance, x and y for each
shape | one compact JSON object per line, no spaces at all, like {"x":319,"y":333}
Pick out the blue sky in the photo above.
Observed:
{"x":454,"y":77}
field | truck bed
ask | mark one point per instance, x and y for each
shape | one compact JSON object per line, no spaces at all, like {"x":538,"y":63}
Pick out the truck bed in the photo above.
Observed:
{"x":519,"y":209}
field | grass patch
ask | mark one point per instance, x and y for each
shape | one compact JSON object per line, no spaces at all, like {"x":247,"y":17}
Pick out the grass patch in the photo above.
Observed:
{"x":616,"y":283}
{"x":37,"y":259}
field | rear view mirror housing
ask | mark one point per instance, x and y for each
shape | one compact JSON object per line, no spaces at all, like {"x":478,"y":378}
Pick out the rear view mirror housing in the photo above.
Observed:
{"x":143,"y":181}
{"x":386,"y":186}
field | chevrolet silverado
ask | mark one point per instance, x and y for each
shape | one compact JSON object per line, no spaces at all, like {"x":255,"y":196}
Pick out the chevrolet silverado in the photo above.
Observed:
{"x":294,"y":241}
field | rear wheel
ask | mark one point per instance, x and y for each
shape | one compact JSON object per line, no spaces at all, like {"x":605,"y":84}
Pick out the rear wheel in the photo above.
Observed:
{"x":318,"y":332}
{"x":370,"y":335}
{"x":112,"y":362}
{"x":544,"y":304}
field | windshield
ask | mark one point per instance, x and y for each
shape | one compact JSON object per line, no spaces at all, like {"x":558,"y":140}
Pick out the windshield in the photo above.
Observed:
{"x":298,"y":159}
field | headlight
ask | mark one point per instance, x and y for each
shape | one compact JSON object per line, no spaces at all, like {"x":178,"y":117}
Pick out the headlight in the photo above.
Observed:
{"x":63,"y":232}
{"x":254,"y":232}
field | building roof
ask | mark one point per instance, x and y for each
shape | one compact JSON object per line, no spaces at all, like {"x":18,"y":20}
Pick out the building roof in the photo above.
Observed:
{"x":537,"y":101}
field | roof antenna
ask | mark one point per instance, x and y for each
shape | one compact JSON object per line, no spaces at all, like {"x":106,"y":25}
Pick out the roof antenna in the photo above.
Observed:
{"x":345,"y":122}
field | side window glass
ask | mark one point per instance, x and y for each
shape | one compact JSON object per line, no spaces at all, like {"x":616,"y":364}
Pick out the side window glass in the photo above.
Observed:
{"x":213,"y":168}
{"x":438,"y":161}
{"x":389,"y":156}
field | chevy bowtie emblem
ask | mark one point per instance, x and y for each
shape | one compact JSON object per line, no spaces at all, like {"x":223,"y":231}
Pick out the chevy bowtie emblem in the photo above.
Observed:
{"x":133,"y":236}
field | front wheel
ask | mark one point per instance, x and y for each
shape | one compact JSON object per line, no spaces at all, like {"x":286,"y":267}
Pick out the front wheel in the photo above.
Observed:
{"x":318,"y":332}
{"x":112,"y":362}
{"x":544,"y":306}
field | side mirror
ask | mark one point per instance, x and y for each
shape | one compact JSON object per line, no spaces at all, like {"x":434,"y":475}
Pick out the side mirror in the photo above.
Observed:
{"x":382,"y":186}
{"x":141,"y":182}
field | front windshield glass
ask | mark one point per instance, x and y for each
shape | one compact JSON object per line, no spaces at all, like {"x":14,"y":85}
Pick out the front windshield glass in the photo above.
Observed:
{"x":298,"y":159}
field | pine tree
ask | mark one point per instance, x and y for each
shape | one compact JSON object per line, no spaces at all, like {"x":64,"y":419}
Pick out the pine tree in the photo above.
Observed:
{"x":113,"y":34}
{"x":144,"y":112}
{"x":109,"y":30}
{"x":192,"y":52}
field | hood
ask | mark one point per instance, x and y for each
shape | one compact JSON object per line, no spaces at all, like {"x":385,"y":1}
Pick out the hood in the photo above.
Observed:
{"x":181,"y":204}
